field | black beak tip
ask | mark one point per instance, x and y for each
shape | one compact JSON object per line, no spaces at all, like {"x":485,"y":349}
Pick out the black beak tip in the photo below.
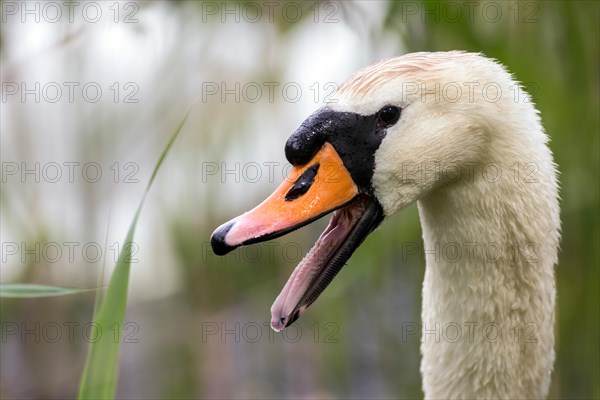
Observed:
{"x":217,"y":240}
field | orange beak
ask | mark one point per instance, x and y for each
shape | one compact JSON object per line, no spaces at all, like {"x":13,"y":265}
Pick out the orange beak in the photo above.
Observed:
{"x":333,"y":154}
{"x":309,"y":192}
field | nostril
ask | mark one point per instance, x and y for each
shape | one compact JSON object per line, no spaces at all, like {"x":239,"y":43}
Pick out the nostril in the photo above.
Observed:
{"x":217,"y":240}
{"x":303,"y":183}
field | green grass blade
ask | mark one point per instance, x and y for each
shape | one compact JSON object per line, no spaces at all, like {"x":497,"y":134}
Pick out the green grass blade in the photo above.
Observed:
{"x":99,"y":378}
{"x":30,"y":290}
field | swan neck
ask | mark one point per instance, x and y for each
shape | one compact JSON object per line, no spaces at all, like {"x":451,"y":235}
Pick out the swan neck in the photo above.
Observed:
{"x":489,"y":287}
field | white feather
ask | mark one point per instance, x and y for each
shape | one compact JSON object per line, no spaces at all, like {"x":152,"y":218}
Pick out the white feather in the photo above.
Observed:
{"x":495,"y":188}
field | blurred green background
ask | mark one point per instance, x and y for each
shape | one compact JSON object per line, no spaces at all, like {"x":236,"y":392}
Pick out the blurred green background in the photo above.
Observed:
{"x":198,"y":324}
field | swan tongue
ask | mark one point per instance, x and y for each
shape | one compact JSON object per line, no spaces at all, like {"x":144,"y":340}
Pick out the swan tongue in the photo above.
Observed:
{"x":347,"y":229}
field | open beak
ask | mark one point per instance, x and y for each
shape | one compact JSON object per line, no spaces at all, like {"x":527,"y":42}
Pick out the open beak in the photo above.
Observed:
{"x":310,"y":191}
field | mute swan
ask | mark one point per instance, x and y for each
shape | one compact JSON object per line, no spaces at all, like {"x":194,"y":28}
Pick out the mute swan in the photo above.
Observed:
{"x":455,"y":133}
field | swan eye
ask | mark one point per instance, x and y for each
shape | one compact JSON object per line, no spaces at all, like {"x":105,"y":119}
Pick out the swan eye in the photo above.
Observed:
{"x":388,"y":115}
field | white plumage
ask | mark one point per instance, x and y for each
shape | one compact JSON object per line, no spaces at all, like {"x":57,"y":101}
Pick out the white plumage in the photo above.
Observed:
{"x":477,"y":163}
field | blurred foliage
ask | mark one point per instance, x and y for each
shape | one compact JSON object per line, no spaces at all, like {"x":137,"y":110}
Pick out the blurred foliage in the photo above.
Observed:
{"x":100,"y":374}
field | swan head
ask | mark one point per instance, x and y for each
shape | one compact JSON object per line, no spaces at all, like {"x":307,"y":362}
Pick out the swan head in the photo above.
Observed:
{"x":373,"y":150}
